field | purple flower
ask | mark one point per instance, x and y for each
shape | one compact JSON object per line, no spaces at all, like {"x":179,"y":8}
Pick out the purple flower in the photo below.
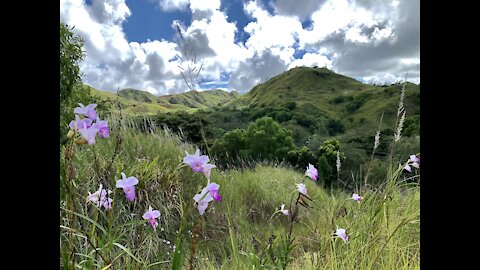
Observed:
{"x":206,"y":168}
{"x":213,"y":189}
{"x":196,"y":161}
{"x":284,"y":211}
{"x":88,"y":111}
{"x":151,"y":216}
{"x":102,"y":127}
{"x":408,"y":168}
{"x":95,"y":196}
{"x":302,"y":188}
{"x":413,"y":161}
{"x":80,"y":123}
{"x":128,"y":185}
{"x":106,"y":201}
{"x":89,"y":134}
{"x":100,"y":198}
{"x":357,"y":197}
{"x":203,"y":198}
{"x":311,"y":172}
{"x":342,"y":234}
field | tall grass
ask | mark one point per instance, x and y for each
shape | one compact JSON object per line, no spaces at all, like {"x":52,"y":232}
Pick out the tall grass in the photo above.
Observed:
{"x":237,"y":233}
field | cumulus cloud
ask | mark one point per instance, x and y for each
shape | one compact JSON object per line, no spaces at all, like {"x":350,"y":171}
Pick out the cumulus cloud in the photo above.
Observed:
{"x":172,"y":5}
{"x":255,"y":70}
{"x":370,"y":38}
{"x":112,"y":62}
{"x":269,"y":31}
{"x":376,"y":41}
{"x":311,"y":60}
{"x":303,"y":9}
{"x":215,"y":43}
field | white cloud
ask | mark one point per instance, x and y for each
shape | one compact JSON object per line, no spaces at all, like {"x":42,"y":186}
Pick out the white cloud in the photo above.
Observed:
{"x":373,"y":40}
{"x":204,"y":5}
{"x":172,"y":5}
{"x":255,"y":70}
{"x":352,"y":19}
{"x":224,"y":54}
{"x":270,"y":31}
{"x":311,"y":60}
{"x":355,"y":35}
{"x":112,"y":62}
{"x":303,"y":9}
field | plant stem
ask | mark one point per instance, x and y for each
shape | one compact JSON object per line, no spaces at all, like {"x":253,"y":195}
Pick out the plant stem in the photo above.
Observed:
{"x":196,"y":234}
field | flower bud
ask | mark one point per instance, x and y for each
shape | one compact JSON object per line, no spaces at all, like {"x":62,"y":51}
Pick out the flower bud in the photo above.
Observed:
{"x":81,"y":141}
{"x":70,"y":134}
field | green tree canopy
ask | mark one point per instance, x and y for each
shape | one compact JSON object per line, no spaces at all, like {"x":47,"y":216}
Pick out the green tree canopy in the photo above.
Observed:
{"x":268,"y":139}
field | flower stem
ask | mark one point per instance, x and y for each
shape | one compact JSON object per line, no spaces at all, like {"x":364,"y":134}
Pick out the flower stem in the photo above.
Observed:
{"x":196,"y":234}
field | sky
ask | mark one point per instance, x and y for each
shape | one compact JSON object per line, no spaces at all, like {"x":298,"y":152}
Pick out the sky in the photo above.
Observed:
{"x":237,"y":44}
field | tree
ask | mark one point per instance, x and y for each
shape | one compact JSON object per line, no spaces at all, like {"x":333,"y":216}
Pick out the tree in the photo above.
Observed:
{"x":327,"y":161}
{"x":230,"y":147}
{"x":300,"y":157}
{"x":70,"y":55}
{"x":267,"y":139}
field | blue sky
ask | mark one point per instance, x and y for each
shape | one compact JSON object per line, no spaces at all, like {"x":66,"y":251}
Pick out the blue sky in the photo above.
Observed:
{"x":240,"y":43}
{"x":149,"y":22}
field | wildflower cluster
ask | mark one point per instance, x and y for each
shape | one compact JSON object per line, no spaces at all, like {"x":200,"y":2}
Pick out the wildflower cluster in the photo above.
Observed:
{"x":100,"y":198}
{"x":199,"y":163}
{"x":89,"y":125}
{"x":312,"y":173}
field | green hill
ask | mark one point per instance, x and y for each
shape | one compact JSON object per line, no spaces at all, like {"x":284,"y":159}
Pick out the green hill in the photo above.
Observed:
{"x":321,"y":92}
{"x":200,"y":100}
{"x":138,"y":102}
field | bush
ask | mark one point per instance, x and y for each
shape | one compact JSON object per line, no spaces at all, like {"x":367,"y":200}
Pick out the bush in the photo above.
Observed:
{"x":267,"y":139}
{"x":230,"y":147}
{"x":300,"y":157}
{"x":327,"y":160}
{"x":291,"y":105}
{"x":335,"y":126}
{"x":412,"y":126}
{"x":72,"y":91}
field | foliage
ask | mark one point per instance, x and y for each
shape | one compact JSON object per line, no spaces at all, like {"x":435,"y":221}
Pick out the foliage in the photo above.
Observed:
{"x":230,"y":149}
{"x":267,"y":139}
{"x":72,"y":91}
{"x":327,"y":160}
{"x":411,"y":126}
{"x":300,"y":157}
{"x":335,"y":126}
{"x":71,"y":54}
{"x":193,"y":127}
{"x":264,"y":139}
{"x":241,"y":231}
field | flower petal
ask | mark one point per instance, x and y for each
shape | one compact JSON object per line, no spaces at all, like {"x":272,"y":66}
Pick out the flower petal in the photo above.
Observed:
{"x":155,"y":214}
{"x":131,"y":181}
{"x":120,"y":184}
{"x":202,"y":206}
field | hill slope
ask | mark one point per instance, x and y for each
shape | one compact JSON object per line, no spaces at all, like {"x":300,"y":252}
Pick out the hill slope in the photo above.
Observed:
{"x":321,"y":92}
{"x":138,"y":102}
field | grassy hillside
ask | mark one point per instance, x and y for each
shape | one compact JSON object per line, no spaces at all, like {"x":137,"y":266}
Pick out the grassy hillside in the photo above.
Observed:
{"x":200,"y":100}
{"x":242,"y":231}
{"x":138,"y":102}
{"x":319,"y":91}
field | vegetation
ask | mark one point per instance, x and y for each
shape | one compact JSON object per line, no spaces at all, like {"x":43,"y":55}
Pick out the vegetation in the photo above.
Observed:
{"x":135,"y":102}
{"x":132,"y":191}
{"x":239,"y":232}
